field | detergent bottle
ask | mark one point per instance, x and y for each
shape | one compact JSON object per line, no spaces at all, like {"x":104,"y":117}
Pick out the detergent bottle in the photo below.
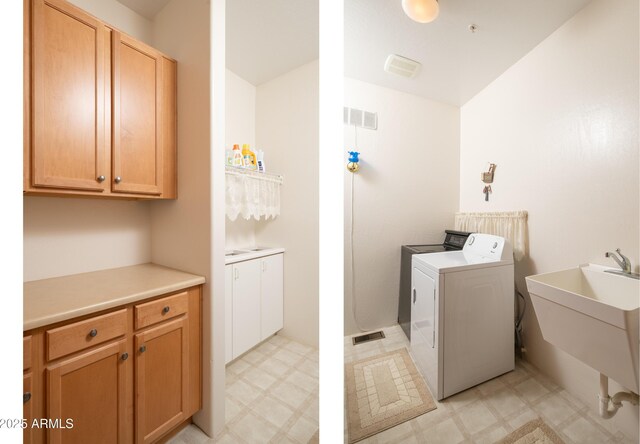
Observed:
{"x":237,"y":156}
{"x":260,"y":160}
{"x":249,"y":157}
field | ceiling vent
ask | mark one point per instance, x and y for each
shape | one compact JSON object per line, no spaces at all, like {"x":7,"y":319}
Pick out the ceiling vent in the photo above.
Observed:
{"x":402,"y":66}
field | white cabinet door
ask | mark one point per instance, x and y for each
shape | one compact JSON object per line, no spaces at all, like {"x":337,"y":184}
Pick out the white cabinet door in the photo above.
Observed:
{"x":424,"y":305}
{"x":228,"y":313}
{"x":246,"y":306}
{"x":272,"y":295}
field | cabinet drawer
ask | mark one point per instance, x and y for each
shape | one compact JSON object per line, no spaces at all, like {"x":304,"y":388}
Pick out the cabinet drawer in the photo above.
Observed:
{"x":71,"y":338}
{"x":26,"y":353}
{"x":162,"y":309}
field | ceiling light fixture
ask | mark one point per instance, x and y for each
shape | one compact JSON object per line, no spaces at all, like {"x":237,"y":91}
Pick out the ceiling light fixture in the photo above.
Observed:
{"x":421,"y":11}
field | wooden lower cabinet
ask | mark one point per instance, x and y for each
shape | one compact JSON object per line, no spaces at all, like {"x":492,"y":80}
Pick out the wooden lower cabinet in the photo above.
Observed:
{"x":91,"y":391}
{"x":162,"y":378}
{"x":135,"y":388}
{"x":27,"y":407}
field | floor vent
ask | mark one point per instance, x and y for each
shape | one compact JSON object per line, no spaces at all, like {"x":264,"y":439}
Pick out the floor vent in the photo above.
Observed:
{"x":368,"y":337}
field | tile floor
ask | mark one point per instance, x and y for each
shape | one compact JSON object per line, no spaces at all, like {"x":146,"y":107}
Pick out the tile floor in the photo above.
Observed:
{"x":488,"y":412}
{"x":271,"y":397}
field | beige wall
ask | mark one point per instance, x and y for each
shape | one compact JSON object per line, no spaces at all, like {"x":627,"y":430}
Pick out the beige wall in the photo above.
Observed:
{"x":67,"y":236}
{"x":287,"y":131}
{"x":240,"y":128}
{"x":181,"y":230}
{"x":406,"y":192}
{"x":116,"y":14}
{"x":562,"y":126}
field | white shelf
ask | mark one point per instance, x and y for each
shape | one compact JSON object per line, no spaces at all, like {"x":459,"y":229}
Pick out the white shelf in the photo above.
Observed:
{"x":278,"y":178}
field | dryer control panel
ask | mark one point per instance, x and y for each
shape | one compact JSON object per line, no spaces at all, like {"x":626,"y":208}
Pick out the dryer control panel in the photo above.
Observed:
{"x":489,"y":246}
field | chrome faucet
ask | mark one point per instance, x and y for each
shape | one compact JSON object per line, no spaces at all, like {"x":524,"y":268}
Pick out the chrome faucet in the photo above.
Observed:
{"x":624,"y":263}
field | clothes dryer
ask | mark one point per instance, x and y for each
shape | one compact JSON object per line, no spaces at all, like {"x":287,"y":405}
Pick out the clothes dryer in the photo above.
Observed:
{"x":462,"y":324}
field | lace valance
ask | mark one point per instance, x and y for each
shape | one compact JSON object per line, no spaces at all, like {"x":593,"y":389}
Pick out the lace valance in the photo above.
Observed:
{"x":512,"y":225}
{"x":251,"y":194}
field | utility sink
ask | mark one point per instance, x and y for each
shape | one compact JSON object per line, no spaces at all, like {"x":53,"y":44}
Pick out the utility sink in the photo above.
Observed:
{"x":235,"y":252}
{"x":249,"y":253}
{"x":593,"y":316}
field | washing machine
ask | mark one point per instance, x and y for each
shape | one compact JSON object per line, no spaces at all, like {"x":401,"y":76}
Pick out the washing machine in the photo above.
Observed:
{"x":462,"y":324}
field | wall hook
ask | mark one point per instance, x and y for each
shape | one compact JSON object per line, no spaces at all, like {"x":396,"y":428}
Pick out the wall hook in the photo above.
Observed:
{"x":488,"y":176}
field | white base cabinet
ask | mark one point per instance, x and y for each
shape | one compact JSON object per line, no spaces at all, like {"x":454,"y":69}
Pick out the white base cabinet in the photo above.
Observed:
{"x":228,"y":313}
{"x":271,"y":295}
{"x":253,"y":303}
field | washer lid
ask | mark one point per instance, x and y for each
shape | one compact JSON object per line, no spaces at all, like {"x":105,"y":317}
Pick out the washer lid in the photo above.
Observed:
{"x":458,"y":261}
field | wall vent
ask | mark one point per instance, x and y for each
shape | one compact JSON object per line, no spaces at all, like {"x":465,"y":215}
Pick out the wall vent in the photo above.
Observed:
{"x":360,"y":118}
{"x":402,"y":66}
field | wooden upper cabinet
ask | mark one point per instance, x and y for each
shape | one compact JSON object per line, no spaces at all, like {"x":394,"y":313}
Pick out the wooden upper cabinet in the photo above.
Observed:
{"x":68,"y":75}
{"x":100,"y":116}
{"x":137,"y":116}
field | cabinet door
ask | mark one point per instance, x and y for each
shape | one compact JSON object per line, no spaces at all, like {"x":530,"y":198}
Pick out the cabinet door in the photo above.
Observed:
{"x":272,"y":295}
{"x":27,"y":408}
{"x":161,"y":379}
{"x":228,"y":313}
{"x":169,"y":128}
{"x":137,"y":116}
{"x":91,"y":390}
{"x":68,"y":130}
{"x":246,"y":306}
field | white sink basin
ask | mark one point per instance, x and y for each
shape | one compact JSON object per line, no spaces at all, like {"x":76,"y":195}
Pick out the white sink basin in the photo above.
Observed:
{"x":593,"y":316}
{"x":235,"y":252}
{"x":245,"y":254}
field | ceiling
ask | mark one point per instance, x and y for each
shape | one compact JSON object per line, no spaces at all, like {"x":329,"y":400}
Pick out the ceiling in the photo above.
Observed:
{"x":456,"y":64}
{"x":267,"y":38}
{"x":146,"y":8}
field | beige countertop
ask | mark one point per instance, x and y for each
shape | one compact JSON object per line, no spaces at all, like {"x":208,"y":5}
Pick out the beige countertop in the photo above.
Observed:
{"x":57,"y":299}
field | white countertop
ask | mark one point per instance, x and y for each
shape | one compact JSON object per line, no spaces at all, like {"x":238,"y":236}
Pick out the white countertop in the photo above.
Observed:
{"x":58,"y":299}
{"x":245,"y":254}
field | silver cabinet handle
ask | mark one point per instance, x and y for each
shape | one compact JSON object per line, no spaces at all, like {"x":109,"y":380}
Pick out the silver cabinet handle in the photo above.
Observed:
{"x":124,"y":356}
{"x":101,"y":179}
{"x":93,"y":333}
{"x":118,"y":179}
{"x":26,"y":397}
{"x":165,"y":310}
{"x":236,"y":273}
{"x":414,"y":295}
{"x":143,"y":348}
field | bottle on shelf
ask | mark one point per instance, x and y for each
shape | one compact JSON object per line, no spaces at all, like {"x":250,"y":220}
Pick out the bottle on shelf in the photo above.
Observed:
{"x":237,"y":157}
{"x":249,"y":157}
{"x":260,"y":161}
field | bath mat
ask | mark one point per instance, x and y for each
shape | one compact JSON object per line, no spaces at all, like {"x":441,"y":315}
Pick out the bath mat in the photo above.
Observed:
{"x":533,"y":432}
{"x":382,"y":392}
